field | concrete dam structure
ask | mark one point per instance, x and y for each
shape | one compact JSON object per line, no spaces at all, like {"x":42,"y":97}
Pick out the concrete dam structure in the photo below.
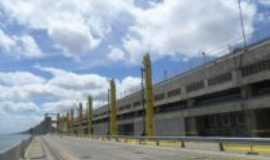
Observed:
{"x":226,"y":97}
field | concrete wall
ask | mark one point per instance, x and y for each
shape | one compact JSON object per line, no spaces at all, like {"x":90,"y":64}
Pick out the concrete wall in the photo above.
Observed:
{"x":17,"y":152}
{"x":226,"y":64}
{"x":167,"y":125}
{"x":173,"y":123}
{"x":101,"y":128}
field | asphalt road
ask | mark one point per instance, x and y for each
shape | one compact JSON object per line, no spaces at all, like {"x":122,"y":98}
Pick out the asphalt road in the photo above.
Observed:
{"x":73,"y":148}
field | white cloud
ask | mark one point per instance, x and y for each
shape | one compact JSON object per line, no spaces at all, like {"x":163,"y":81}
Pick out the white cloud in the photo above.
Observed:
{"x":73,"y":38}
{"x":27,"y":46}
{"x":10,"y":107}
{"x":128,"y":85}
{"x":116,"y":54}
{"x":264,"y":2}
{"x":6,"y":42}
{"x":185,"y":27}
{"x":58,"y":106}
{"x":165,"y":28}
{"x":19,"y":46}
{"x":19,"y":78}
{"x":59,"y":93}
{"x":75,"y":26}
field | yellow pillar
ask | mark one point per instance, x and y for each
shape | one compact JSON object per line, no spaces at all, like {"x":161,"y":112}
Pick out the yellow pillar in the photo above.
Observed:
{"x":149,"y":108}
{"x":80,"y":119}
{"x":113,"y":113}
{"x":68,"y":123}
{"x":90,"y":116}
{"x":71,"y":121}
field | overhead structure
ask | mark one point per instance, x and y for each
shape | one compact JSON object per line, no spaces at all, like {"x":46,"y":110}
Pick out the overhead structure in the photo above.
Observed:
{"x":149,"y":108}
{"x":113,"y":111}
{"x":90,"y":115}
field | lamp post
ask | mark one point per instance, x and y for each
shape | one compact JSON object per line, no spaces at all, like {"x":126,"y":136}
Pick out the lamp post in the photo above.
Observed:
{"x":242,"y":24}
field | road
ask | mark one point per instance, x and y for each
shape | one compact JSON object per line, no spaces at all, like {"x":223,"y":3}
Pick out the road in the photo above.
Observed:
{"x":74,"y":148}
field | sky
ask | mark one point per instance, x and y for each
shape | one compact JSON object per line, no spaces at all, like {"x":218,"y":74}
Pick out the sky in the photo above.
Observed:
{"x":53,"y":54}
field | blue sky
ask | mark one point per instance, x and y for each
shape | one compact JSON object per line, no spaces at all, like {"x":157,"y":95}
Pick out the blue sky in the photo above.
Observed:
{"x":54,"y":54}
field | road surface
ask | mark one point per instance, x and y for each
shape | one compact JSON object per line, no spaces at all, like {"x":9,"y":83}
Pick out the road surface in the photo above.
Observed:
{"x":73,"y":148}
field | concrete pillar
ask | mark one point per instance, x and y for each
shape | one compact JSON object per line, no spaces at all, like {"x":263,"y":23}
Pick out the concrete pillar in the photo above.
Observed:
{"x":193,"y":126}
{"x":190,"y":102}
{"x":138,"y":128}
{"x":246,"y":91}
{"x":251,"y":121}
{"x":250,"y":115}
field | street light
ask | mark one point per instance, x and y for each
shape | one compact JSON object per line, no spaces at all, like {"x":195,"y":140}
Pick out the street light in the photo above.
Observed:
{"x":242,"y":24}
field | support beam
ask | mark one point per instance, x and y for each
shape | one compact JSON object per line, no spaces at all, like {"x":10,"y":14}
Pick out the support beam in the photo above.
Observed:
{"x":113,"y":113}
{"x":150,"y":128}
{"x":90,"y":116}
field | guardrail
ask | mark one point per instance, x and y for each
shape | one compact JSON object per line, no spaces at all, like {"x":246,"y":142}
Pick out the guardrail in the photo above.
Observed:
{"x":224,"y":144}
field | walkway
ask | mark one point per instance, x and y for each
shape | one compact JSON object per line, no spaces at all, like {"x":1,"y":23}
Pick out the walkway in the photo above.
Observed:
{"x":72,"y":148}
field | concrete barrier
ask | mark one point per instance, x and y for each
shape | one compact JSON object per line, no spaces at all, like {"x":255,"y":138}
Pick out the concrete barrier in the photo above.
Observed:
{"x":16,"y":152}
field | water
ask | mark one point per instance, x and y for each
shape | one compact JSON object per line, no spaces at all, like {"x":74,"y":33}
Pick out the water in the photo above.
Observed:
{"x":8,"y":141}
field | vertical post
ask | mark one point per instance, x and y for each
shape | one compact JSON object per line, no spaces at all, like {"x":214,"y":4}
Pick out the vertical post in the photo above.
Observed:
{"x":113,"y":117}
{"x":109,"y":113}
{"x":150,"y":128}
{"x":242,"y":24}
{"x":58,"y":123}
{"x":72,"y":121}
{"x":143,"y":113}
{"x":221,"y":146}
{"x":80,"y":119}
{"x":68,"y":123}
{"x":90,"y":115}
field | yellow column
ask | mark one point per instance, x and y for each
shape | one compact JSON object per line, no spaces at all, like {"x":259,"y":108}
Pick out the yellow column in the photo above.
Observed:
{"x":71,"y":121}
{"x":113,"y":113}
{"x":68,"y":123}
{"x":90,"y":116}
{"x":80,"y":119}
{"x":149,"y":108}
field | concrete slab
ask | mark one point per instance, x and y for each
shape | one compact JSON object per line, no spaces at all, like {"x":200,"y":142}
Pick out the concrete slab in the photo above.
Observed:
{"x":35,"y":150}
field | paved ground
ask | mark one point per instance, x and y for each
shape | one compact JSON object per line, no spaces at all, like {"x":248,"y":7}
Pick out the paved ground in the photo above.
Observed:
{"x":71,"y":148}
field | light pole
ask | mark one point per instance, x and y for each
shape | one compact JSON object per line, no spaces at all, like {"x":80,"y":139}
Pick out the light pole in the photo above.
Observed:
{"x":242,"y":24}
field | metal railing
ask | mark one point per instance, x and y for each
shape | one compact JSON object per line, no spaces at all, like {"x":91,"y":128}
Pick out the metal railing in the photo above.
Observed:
{"x":249,"y":145}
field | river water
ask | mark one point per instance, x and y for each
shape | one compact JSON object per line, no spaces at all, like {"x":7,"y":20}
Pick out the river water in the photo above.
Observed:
{"x":8,"y":141}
